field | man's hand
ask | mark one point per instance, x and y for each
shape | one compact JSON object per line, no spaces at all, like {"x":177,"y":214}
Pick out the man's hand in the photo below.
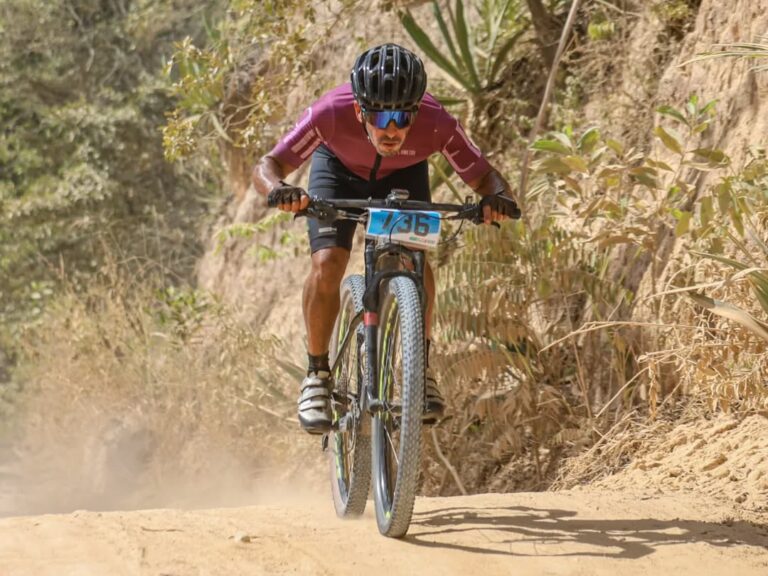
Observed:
{"x":498,"y":207}
{"x":288,"y":198}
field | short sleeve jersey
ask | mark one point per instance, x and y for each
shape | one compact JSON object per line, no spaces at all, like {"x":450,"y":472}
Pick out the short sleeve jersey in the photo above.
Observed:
{"x":331,"y":121}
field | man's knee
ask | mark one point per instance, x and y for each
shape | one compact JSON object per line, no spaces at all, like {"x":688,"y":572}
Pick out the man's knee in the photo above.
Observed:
{"x":328,"y":267}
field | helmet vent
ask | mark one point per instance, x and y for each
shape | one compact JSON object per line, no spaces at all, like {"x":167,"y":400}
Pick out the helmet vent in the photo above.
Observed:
{"x":388,"y":77}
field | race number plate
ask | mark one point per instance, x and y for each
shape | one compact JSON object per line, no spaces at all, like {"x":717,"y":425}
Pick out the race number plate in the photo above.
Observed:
{"x":418,"y":229}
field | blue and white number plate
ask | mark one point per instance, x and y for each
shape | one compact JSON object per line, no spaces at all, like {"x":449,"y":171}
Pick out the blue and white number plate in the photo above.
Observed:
{"x":418,"y":229}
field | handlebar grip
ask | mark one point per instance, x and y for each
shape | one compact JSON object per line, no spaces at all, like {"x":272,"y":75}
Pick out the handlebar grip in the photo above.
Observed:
{"x":511,"y":208}
{"x":284,"y":193}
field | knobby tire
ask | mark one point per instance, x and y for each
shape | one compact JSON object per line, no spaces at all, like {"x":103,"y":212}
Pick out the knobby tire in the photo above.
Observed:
{"x":396,"y":429}
{"x":350,"y":450}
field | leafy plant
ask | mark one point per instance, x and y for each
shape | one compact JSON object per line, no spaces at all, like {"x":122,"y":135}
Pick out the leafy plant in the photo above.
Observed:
{"x":652,"y":212}
{"x":234,"y":88}
{"x":181,"y":311}
{"x":82,"y":97}
{"x":622,"y":194}
{"x":676,"y":15}
{"x":733,"y":313}
{"x":265,"y":249}
{"x":758,"y":279}
{"x":601,"y":27}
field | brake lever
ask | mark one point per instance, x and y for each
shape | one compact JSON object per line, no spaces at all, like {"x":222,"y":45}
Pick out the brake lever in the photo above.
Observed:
{"x":470,"y":212}
{"x":319,"y":210}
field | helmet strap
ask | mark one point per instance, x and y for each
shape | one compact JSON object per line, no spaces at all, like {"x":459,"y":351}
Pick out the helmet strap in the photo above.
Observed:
{"x":363,"y":125}
{"x":367,"y":133}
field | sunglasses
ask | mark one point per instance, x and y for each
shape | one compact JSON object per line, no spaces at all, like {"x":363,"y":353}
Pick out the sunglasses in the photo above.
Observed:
{"x":381,"y":119}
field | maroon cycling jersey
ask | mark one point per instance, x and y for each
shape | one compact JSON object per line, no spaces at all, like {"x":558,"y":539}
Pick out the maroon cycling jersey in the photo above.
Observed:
{"x":331,"y":121}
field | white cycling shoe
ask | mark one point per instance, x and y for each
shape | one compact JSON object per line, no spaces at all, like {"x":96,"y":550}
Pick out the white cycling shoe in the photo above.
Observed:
{"x":315,"y":403}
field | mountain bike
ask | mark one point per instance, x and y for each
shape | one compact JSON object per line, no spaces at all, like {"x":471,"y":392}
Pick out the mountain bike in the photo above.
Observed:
{"x":377,"y":354}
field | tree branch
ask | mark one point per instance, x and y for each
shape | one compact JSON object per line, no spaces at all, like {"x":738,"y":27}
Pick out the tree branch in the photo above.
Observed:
{"x":546,"y":29}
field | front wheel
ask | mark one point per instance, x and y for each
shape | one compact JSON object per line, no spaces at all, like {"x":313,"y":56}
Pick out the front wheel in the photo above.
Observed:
{"x":396,"y":429}
{"x":350,"y":448}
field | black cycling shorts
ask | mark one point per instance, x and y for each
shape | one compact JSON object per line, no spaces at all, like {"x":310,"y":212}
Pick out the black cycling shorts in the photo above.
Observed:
{"x":329,"y":178}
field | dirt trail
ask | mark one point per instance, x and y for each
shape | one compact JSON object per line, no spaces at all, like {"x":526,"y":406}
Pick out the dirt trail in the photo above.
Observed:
{"x":575,"y":532}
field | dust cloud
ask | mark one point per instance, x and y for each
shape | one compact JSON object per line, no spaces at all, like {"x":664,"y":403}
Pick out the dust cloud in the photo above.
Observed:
{"x":132,"y":464}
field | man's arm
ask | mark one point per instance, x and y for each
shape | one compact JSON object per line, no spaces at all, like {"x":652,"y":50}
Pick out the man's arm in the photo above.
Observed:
{"x":268,"y":173}
{"x":490,"y":185}
{"x":267,"y":178}
{"x":469,"y":163}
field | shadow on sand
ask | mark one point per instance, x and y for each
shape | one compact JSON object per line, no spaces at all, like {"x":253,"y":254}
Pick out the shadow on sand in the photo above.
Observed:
{"x":515,"y":530}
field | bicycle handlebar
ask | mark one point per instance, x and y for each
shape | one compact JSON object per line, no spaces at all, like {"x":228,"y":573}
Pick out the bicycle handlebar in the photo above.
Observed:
{"x":327,"y":209}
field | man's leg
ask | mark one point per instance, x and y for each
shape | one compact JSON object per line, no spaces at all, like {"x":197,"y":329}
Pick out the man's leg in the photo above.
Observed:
{"x":321,"y":297}
{"x":429,"y":288}
{"x":434,"y":401}
{"x":320,"y":306}
{"x":330,"y":244}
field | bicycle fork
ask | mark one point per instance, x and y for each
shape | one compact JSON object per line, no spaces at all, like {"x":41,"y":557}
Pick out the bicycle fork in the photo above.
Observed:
{"x":372,"y":402}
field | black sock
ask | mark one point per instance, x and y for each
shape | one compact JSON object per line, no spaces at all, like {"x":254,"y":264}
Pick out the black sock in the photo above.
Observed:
{"x":318,"y":363}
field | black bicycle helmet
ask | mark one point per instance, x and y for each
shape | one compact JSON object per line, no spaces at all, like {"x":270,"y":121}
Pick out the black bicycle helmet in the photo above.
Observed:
{"x":388,"y":77}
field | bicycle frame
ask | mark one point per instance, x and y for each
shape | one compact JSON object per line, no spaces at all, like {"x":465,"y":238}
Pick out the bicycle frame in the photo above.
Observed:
{"x":370,"y":403}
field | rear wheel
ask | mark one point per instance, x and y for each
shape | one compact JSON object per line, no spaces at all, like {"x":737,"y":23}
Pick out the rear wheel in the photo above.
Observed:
{"x":350,"y":451}
{"x":396,"y":431}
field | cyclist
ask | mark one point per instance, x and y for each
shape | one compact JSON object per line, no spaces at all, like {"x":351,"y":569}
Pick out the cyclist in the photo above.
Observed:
{"x":365,"y":138}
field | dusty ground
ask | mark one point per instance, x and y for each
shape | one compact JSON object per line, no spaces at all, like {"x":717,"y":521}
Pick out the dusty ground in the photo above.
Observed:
{"x":721,"y":456}
{"x":590,"y":533}
{"x":693,"y":501}
{"x":724,"y":457}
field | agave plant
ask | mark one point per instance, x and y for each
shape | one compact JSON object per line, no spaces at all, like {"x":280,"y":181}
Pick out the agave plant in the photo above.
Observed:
{"x":473,"y":57}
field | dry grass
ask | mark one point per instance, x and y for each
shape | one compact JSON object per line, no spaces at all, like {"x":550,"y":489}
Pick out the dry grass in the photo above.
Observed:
{"x":719,"y":361}
{"x":554,"y":331}
{"x":616,"y":447}
{"x":134,"y":399}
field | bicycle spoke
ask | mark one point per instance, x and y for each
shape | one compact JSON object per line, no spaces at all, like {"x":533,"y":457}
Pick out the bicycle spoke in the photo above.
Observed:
{"x":350,"y":455}
{"x":392,"y":446}
{"x":393,"y":410}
